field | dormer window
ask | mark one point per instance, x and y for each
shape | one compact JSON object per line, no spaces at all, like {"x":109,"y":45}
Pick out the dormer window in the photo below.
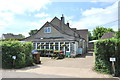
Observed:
{"x":47,"y":30}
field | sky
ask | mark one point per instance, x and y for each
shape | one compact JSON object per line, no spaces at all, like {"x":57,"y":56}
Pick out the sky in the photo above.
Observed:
{"x":21,"y":16}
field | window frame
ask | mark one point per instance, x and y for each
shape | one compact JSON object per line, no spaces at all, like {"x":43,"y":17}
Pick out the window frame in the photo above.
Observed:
{"x":47,"y":30}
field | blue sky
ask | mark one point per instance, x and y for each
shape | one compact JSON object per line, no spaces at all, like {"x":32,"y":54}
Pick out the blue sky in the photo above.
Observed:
{"x":19,"y":17}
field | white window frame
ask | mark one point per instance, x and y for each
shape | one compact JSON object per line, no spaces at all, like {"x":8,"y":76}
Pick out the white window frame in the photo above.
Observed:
{"x":46,"y":30}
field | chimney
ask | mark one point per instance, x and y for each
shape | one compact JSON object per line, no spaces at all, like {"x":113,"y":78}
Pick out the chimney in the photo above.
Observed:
{"x":62,"y":22}
{"x":68,"y":24}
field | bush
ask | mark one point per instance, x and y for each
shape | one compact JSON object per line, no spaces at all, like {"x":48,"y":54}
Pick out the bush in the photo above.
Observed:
{"x":104,"y":49}
{"x":22,"y":51}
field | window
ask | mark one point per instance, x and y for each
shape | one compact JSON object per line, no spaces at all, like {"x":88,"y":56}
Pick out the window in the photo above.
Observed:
{"x":38,"y":45}
{"x":47,"y":30}
{"x":61,"y":47}
{"x":51,"y":45}
{"x":47,"y":45}
{"x":42,"y":45}
{"x":67,"y":46}
{"x":56,"y":46}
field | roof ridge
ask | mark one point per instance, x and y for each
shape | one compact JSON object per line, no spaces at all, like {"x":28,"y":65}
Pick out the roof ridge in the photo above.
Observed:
{"x":55,"y":18}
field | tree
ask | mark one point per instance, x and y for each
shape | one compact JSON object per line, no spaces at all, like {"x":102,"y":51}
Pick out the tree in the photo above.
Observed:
{"x":32,"y":32}
{"x":117,"y":35}
{"x":99,"y":31}
{"x":90,"y":37}
{"x":21,"y":35}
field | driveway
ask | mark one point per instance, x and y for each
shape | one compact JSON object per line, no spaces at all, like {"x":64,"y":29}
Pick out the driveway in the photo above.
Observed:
{"x":81,"y":67}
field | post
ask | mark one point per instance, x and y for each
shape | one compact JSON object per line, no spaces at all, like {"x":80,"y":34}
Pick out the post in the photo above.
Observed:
{"x":113,"y":65}
{"x":13,"y":57}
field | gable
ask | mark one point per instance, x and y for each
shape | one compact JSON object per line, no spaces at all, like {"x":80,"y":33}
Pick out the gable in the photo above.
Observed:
{"x":55,"y":33}
{"x":66,"y":29}
{"x":56,"y":22}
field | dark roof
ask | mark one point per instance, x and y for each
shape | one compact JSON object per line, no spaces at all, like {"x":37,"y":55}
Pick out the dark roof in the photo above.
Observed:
{"x":67,"y":30}
{"x":12,"y":36}
{"x":108,"y":35}
{"x":56,"y":23}
{"x":83,"y":33}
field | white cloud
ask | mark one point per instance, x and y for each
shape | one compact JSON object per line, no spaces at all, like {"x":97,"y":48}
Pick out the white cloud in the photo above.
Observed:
{"x":69,"y":18}
{"x":97,"y":16}
{"x":41,"y":15}
{"x":9,"y":8}
{"x":21,"y":6}
{"x":40,"y":23}
{"x":45,"y":20}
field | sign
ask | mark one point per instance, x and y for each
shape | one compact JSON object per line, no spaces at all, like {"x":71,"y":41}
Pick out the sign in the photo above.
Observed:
{"x":14,"y":57}
{"x":112,"y":59}
{"x":34,"y":51}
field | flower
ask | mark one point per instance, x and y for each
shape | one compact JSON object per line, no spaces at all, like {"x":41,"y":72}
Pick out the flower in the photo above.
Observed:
{"x":53,"y":44}
{"x":39,"y":45}
{"x":62,"y":44}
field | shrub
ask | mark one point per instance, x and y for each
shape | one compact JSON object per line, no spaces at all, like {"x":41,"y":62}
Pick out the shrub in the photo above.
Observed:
{"x":22,"y":51}
{"x":104,"y":49}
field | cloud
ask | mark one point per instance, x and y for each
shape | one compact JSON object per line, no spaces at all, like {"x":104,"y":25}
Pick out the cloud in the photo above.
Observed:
{"x":97,"y":16}
{"x":39,"y":23}
{"x":21,"y":6}
{"x":41,"y":15}
{"x":9,"y":9}
{"x":84,"y":0}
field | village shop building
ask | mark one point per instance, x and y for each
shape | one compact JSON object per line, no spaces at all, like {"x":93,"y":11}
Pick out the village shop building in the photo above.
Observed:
{"x":57,"y":35}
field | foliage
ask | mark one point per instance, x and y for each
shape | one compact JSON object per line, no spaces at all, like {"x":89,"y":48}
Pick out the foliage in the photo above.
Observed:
{"x":117,"y":35}
{"x":104,"y":49}
{"x":32,"y":32}
{"x":10,"y":39}
{"x":99,"y":31}
{"x":21,"y":35}
{"x":90,"y":37}
{"x":22,"y":51}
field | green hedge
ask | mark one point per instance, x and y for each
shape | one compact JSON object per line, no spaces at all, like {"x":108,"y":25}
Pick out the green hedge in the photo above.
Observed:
{"x":104,"y":49}
{"x":22,"y":51}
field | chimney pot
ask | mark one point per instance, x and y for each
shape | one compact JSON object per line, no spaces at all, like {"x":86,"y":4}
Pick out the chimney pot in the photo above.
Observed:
{"x":67,"y":24}
{"x":62,"y":22}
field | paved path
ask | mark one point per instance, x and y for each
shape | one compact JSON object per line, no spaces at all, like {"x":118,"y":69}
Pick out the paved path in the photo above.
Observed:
{"x":69,"y":67}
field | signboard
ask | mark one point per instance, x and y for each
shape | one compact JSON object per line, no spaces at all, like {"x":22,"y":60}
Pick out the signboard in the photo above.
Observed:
{"x":34,"y":51}
{"x":14,"y":57}
{"x":112,"y":59}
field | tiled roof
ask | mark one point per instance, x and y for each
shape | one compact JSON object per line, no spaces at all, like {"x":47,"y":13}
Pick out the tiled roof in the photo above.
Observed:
{"x":12,"y":36}
{"x":108,"y":35}
{"x":67,"y":30}
{"x":56,"y":23}
{"x":83,"y":33}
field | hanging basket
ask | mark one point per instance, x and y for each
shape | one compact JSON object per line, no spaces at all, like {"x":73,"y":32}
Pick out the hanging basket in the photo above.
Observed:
{"x":53,"y":44}
{"x":62,"y":44}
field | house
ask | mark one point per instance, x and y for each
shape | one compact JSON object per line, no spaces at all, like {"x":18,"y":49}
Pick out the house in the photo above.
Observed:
{"x":11,"y":36}
{"x":108,"y":35}
{"x":57,"y":35}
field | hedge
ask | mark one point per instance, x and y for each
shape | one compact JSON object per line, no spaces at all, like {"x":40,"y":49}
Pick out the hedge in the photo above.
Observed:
{"x":104,"y":49}
{"x":22,"y":51}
